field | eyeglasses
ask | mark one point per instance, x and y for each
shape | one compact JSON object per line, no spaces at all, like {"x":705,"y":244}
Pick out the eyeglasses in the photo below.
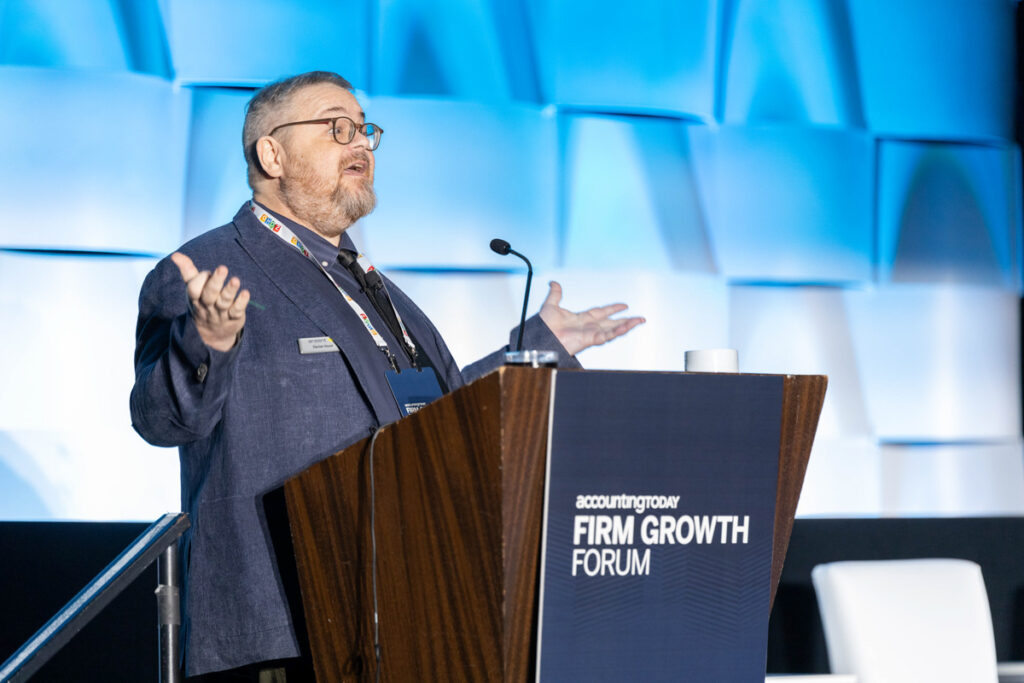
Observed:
{"x":344,"y":130}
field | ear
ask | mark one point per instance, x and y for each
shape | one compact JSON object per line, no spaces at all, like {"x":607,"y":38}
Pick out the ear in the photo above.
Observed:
{"x":271,"y":155}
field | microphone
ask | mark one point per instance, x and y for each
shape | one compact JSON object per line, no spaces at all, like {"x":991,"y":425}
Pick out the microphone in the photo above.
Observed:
{"x":500,"y":246}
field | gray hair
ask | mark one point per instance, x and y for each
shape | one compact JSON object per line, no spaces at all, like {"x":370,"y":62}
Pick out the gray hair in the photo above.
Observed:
{"x":267,"y":101}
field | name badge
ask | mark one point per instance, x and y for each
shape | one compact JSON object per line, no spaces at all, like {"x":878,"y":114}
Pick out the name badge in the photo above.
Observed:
{"x":413,"y":389}
{"x":317,"y":345}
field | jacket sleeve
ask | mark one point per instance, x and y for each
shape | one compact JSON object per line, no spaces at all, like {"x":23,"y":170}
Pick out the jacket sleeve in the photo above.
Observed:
{"x":536,"y":335}
{"x":180,"y":383}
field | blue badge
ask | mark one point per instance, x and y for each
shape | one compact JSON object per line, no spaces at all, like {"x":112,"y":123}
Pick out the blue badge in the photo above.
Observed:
{"x":413,"y":388}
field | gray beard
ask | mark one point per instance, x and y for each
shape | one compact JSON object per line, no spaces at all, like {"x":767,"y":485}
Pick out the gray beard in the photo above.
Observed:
{"x":326,"y":210}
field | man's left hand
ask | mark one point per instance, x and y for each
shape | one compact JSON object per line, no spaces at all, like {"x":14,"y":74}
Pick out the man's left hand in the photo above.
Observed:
{"x":578,"y":331}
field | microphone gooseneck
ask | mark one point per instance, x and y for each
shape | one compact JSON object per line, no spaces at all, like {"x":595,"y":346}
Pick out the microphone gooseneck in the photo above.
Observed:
{"x":500,"y":246}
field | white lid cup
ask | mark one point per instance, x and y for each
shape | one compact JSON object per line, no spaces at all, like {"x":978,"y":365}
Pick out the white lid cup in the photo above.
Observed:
{"x":711,"y":360}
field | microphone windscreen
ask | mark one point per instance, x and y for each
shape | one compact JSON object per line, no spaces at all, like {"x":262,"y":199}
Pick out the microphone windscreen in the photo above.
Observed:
{"x":500,"y":246}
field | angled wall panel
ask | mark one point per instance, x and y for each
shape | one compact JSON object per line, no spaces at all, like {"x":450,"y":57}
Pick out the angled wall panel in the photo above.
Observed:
{"x":938,"y":362}
{"x":683,"y":311}
{"x":807,"y":331}
{"x":953,"y":479}
{"x":451,"y":176}
{"x":100,"y":35}
{"x":81,"y":34}
{"x":71,"y":370}
{"x":790,"y":61}
{"x":251,"y":42}
{"x":631,"y":195}
{"x":86,"y":474}
{"x":949,"y":213}
{"x":611,"y":55}
{"x":25,"y":492}
{"x":788,"y":204}
{"x":216,"y":180}
{"x":844,"y":477}
{"x":936,"y":68}
{"x":457,"y":48}
{"x":97,"y":163}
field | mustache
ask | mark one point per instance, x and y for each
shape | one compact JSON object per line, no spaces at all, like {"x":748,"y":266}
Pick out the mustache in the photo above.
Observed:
{"x":355,"y":158}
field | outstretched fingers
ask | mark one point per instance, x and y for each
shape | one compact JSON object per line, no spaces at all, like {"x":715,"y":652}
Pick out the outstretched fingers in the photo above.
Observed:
{"x":213,"y":288}
{"x":606,"y":329}
{"x":217,"y":303}
{"x":237,"y":310}
{"x":624,"y":326}
{"x":604,"y":312}
{"x":227,"y":294}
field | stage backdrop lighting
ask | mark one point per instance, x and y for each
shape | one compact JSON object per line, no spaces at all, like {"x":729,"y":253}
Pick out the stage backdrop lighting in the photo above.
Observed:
{"x":829,"y":186}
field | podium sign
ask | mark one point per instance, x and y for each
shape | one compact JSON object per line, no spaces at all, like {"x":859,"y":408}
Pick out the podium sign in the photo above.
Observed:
{"x":659,"y":514}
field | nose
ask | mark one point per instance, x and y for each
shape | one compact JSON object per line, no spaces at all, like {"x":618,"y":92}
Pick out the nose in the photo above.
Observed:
{"x":360,"y":139}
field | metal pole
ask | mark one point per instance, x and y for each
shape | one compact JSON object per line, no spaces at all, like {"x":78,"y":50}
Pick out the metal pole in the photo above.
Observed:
{"x":168,"y":606}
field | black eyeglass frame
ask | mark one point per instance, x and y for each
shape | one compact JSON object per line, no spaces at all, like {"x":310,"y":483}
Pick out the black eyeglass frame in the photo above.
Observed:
{"x":333,"y":121}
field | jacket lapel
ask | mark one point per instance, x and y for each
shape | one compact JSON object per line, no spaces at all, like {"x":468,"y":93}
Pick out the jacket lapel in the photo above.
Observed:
{"x":313,"y":294}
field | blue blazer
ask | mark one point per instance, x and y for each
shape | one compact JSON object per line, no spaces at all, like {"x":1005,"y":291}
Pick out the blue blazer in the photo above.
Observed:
{"x":248,"y":419}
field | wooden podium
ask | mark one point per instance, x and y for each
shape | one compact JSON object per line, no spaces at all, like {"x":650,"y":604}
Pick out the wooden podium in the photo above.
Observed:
{"x":457,"y":500}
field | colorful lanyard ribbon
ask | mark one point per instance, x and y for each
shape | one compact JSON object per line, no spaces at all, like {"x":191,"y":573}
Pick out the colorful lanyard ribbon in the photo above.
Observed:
{"x":275,"y":226}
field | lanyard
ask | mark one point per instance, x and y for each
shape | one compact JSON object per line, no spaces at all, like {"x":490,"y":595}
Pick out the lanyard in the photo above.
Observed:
{"x":273,"y":224}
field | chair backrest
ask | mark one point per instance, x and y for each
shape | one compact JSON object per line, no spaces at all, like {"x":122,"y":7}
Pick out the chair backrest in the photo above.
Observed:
{"x":895,"y":621}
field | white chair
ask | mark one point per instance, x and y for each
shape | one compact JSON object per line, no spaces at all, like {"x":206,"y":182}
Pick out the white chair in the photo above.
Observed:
{"x":902,"y":621}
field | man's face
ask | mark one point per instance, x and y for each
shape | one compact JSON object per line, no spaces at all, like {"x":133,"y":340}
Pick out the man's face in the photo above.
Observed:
{"x":327,"y":185}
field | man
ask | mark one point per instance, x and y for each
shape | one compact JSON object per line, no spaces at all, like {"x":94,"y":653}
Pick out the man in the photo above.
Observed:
{"x":267,"y":344}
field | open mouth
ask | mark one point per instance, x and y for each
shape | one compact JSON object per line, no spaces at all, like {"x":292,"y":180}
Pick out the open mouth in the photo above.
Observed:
{"x":357,"y":167}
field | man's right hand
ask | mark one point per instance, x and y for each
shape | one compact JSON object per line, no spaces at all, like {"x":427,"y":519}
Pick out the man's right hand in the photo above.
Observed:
{"x":218,"y":309}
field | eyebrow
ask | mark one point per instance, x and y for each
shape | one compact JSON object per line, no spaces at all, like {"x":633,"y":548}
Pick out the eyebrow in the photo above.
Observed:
{"x":341,"y":110}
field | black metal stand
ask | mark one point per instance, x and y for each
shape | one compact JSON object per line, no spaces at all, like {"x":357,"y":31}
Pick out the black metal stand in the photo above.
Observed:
{"x":168,"y":606}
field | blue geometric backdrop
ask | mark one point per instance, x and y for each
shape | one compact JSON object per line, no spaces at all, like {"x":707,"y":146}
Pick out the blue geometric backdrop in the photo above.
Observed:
{"x":829,"y":186}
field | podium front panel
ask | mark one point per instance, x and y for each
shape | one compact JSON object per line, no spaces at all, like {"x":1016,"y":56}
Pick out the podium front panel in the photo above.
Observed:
{"x":659,"y":520}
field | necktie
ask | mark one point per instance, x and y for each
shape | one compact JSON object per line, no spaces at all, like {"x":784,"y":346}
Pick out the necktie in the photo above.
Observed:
{"x":372,"y":284}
